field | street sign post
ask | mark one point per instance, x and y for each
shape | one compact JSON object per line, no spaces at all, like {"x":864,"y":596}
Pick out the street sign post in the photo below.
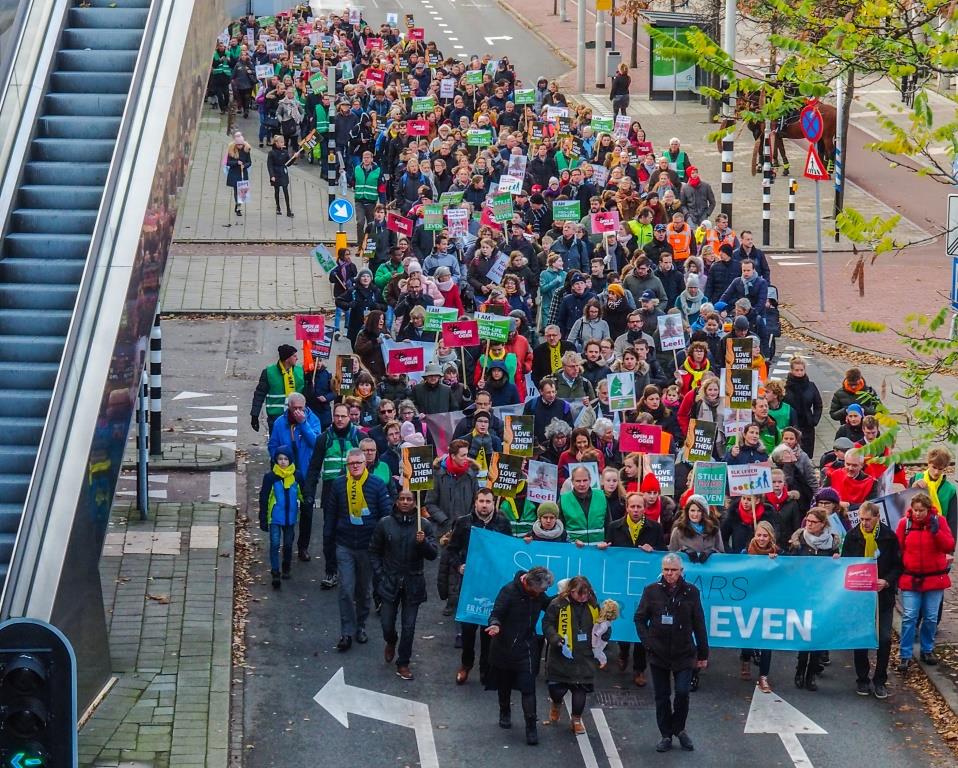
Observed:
{"x":810,"y":120}
{"x":951,"y":236}
{"x":340,"y":210}
{"x":954,"y":283}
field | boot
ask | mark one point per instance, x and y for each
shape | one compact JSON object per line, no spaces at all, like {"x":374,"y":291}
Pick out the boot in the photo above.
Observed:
{"x":505,"y":718}
{"x":800,"y":676}
{"x":289,"y":213}
{"x":810,"y":684}
{"x":532,"y":732}
{"x":577,"y":727}
{"x":276,"y":581}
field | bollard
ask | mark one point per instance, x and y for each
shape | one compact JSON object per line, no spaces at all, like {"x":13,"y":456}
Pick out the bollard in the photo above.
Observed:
{"x":142,"y":447}
{"x":156,"y":388}
{"x":728,"y":162}
{"x":767,"y":148}
{"x":792,"y":190}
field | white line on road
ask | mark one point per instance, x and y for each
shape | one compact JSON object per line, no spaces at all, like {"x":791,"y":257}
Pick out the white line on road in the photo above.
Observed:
{"x":191,"y":395}
{"x":605,"y":734}
{"x":153,"y":493}
{"x":214,"y":432}
{"x":216,"y":420}
{"x":796,"y":263}
{"x":223,"y":487}
{"x":585,"y":746}
{"x":230,"y":408}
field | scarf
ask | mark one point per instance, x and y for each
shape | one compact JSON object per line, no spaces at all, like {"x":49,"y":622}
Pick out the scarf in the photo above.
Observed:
{"x":777,"y":502}
{"x":746,"y":517}
{"x":933,"y":487}
{"x":285,"y":474}
{"x":354,"y":495}
{"x":539,"y":532}
{"x":853,"y":388}
{"x":699,"y":528}
{"x":654,"y":512}
{"x":695,"y":373}
{"x":690,"y":305}
{"x":635,"y":528}
{"x":694,"y":182}
{"x":289,"y":379}
{"x":755,"y":549}
{"x":555,"y":357}
{"x":818,"y":542}
{"x":871,"y":541}
{"x":454,"y":469}
{"x":564,"y":624}
{"x":445,"y":285}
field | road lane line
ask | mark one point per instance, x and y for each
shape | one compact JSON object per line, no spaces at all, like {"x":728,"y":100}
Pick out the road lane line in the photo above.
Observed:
{"x":585,"y":746}
{"x":605,"y":734}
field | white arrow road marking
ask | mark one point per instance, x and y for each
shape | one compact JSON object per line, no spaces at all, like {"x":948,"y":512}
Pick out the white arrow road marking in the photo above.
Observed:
{"x":191,"y":395}
{"x":339,"y":699}
{"x":770,"y":713}
{"x":214,"y":432}
{"x":605,"y":735}
{"x":491,"y":40}
{"x":216,"y":420}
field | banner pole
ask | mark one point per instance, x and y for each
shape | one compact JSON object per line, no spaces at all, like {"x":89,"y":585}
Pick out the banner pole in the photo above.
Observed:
{"x":418,"y":511}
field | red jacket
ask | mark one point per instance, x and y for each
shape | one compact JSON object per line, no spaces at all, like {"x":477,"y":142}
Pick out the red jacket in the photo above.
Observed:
{"x":923,"y":553}
{"x":453,"y":299}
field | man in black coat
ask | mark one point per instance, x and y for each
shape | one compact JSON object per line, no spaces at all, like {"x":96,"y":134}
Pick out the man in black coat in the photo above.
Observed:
{"x":550,"y":351}
{"x":670,"y":621}
{"x":882,"y":544}
{"x":396,"y":552}
{"x":545,"y":408}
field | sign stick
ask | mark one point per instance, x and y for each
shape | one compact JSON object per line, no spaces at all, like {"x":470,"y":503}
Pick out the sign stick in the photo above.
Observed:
{"x":418,"y":511}
{"x":754,"y":515}
{"x":485,"y":363}
{"x":462,"y":363}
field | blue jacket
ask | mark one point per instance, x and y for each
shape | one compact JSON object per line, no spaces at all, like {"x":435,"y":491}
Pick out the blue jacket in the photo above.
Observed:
{"x":323,"y":387}
{"x":304,"y":444}
{"x":756,"y":293}
{"x":278,"y":505}
{"x":337,"y":528}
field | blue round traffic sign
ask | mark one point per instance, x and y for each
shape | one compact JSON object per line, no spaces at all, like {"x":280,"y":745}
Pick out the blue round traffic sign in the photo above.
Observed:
{"x":340,"y":210}
{"x":811,"y":123}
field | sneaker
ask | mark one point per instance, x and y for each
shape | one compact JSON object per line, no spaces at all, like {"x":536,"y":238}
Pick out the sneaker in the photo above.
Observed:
{"x":929,"y":658}
{"x":577,"y":727}
{"x":555,"y":710}
{"x":686,"y":742}
{"x":405,"y":673}
{"x":903,"y":666}
{"x":361,"y":637}
{"x":863,"y":688}
{"x":329,"y":581}
{"x":664,"y":745}
{"x":881,"y":692}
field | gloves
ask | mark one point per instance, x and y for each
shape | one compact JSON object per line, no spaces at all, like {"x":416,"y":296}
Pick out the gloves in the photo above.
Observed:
{"x":254,"y":423}
{"x":703,"y":556}
{"x":934,"y":523}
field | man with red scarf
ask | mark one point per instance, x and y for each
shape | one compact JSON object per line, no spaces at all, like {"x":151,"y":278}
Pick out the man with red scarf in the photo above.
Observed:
{"x":697,"y":197}
{"x":850,"y":482}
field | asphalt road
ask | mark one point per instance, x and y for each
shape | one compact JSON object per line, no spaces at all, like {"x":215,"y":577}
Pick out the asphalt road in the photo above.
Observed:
{"x":291,"y":634}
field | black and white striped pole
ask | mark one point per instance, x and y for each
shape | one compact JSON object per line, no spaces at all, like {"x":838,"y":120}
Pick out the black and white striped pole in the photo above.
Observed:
{"x":767,"y":185}
{"x":728,"y":163}
{"x":792,"y":190}
{"x":156,"y":388}
{"x":143,"y":447}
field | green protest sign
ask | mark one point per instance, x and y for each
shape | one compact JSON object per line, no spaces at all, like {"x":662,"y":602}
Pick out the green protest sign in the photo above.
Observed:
{"x":502,"y":209}
{"x":565,"y":210}
{"x":492,"y":327}
{"x":436,"y":316}
{"x":476,"y":137}
{"x":709,"y":481}
{"x":265,"y":21}
{"x":451,"y":199}
{"x":473,"y":77}
{"x":318,"y":83}
{"x":602,"y":124}
{"x":432,"y":218}
{"x":326,"y":261}
{"x":525,"y":96}
{"x":423,"y":104}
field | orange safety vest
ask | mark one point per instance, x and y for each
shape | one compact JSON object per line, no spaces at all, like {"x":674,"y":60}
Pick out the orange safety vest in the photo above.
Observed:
{"x":713,"y":240}
{"x":681,"y":242}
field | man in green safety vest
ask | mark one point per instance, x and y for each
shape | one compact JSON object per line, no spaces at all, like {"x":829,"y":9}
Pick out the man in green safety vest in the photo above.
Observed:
{"x":678,"y":160}
{"x":275,"y":383}
{"x":367,"y":176}
{"x":584,"y":509}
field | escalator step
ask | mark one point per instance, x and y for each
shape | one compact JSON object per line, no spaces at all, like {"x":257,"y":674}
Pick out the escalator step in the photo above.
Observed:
{"x":119,"y":3}
{"x":119,"y":61}
{"x":91,"y":82}
{"x":54,"y":322}
{"x":20,"y":431}
{"x":10,"y":518}
{"x":13,"y":488}
{"x":43,"y":375}
{"x":31,"y":349}
{"x":53,"y":222}
{"x":39,"y":297}
{"x":39,"y":245}
{"x":67,"y":197}
{"x":108,"y":18}
{"x":21,"y":458}
{"x":40,"y":270}
{"x":102,"y":39}
{"x":66,"y":172}
{"x":78,"y":127}
{"x":68,"y":150}
{"x":80,"y":104}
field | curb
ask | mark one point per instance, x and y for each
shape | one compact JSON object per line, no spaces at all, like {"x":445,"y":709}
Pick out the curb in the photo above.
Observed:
{"x":799,"y":326}
{"x":227,"y":459}
{"x":527,"y":23}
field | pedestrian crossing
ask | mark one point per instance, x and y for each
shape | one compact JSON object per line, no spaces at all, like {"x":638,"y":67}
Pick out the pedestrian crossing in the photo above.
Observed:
{"x":778,"y":367}
{"x":791,"y":259}
{"x":213,"y":421}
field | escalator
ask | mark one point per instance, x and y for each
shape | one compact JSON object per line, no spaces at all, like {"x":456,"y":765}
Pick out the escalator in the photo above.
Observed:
{"x":50,"y":229}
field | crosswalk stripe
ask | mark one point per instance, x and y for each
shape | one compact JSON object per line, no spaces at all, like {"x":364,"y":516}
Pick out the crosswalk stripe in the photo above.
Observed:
{"x":217,"y":420}
{"x":214,"y":432}
{"x":231,"y":408}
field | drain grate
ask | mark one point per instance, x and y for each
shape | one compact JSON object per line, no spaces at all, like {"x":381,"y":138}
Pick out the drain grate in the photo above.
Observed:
{"x":622,"y":699}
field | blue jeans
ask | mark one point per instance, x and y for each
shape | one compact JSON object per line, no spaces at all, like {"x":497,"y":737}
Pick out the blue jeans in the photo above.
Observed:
{"x":287,"y":532}
{"x":913,"y":605}
{"x":341,"y":314}
{"x":355,"y":588}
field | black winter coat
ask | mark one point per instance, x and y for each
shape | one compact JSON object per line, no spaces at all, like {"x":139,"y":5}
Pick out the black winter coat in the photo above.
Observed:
{"x":580,"y":669}
{"x":889,"y":557}
{"x":617,"y":534}
{"x":678,"y":645}
{"x":806,"y":401}
{"x":721,"y":275}
{"x":397,"y":558}
{"x":276,"y":167}
{"x":737,"y":534}
{"x":516,"y":613}
{"x":462,"y":530}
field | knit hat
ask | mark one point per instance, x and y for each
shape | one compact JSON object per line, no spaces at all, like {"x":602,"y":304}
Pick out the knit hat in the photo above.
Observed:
{"x":547,"y":508}
{"x":650,"y":483}
{"x":442,"y":273}
{"x":363,"y":272}
{"x":617,"y":290}
{"x":577,"y":278}
{"x":286,"y":351}
{"x":414,"y":266}
{"x":537,"y":198}
{"x":856,"y":408}
{"x":843,"y":444}
{"x":283,"y":450}
{"x":696,"y":499}
{"x":692,"y":281}
{"x":826,"y":494}
{"x":741,"y":323}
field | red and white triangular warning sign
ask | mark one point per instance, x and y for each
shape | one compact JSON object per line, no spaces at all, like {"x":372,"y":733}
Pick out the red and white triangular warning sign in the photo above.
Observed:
{"x":814,"y":167}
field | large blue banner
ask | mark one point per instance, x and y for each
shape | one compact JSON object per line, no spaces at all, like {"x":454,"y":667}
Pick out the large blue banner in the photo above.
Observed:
{"x":786,"y":603}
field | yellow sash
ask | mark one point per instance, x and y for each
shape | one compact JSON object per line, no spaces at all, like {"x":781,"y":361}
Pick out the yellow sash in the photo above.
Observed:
{"x":555,"y":357}
{"x":634,"y":528}
{"x":871,"y":542}
{"x":354,"y":494}
{"x":564,"y":624}
{"x":289,"y":380}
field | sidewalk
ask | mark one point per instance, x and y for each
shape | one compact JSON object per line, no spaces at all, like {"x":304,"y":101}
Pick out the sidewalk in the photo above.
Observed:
{"x":168,"y":593}
{"x":184,"y":457}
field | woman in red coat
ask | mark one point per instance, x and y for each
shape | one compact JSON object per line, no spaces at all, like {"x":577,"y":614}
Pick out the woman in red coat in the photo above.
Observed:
{"x":926,"y":545}
{"x":449,"y":290}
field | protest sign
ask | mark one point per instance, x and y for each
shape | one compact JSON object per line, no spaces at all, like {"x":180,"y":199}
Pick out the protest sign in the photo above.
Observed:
{"x":498,"y":268}
{"x":346,"y":71}
{"x":310,"y":327}
{"x":786,"y":603}
{"x":486,"y":218}
{"x":605,"y":221}
{"x":355,"y":16}
{"x":478,"y":137}
{"x":377,"y":76}
{"x":457,"y":220}
{"x":542,"y":483}
{"x":433,"y":60}
{"x":563,"y":125}
{"x":734,"y":420}
{"x":662,"y":465}
{"x":502,"y":209}
{"x":462,"y":333}
{"x":417,"y":127}
{"x":511,"y":185}
{"x":749,"y":479}
{"x":639,"y":438}
{"x":318,"y":83}
{"x":436,"y":316}
{"x":565,"y":210}
{"x":602,"y":124}
{"x":517,"y":167}
{"x":505,"y":475}
{"x":473,"y":77}
{"x":275,"y":47}
{"x":417,"y":33}
{"x":408,"y":20}
{"x":406,"y":360}
{"x":554,"y":111}
{"x":264,"y":71}
{"x":492,"y":327}
{"x":593,"y":469}
{"x":392,"y":18}
{"x":739,"y":391}
{"x":346,"y":373}
{"x":738,"y":354}
{"x":621,"y":391}
{"x":451,"y":198}
{"x":518,"y":438}
{"x":432,"y":219}
{"x":374,"y":43}
{"x":399,"y":224}
{"x":447,"y":88}
{"x":709,"y":481}
{"x":525,"y":96}
{"x":699,"y":440}
{"x":671,"y":333}
{"x":621,"y":130}
{"x":600,"y":175}
{"x":324,"y":258}
{"x":418,"y":474}
{"x":423,"y":104}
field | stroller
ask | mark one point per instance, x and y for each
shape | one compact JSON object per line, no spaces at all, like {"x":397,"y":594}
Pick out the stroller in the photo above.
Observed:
{"x":773,"y":320}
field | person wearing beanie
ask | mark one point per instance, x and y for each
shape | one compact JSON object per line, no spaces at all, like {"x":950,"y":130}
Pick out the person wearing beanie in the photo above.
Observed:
{"x":573,"y":304}
{"x":659,"y":508}
{"x":279,"y":500}
{"x":696,"y":197}
{"x":358,"y":302}
{"x":695,"y":531}
{"x":852,"y":428}
{"x":276,"y":383}
{"x":690,"y":301}
{"x":548,"y":526}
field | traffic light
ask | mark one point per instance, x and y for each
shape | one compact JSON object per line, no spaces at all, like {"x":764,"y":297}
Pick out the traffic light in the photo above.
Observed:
{"x":38,"y":693}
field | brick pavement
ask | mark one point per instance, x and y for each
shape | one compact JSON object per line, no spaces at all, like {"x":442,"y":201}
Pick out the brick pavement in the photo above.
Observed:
{"x":170,"y":645}
{"x":184,"y":456}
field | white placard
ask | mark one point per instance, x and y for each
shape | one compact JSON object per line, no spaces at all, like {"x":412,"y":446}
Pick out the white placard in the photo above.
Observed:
{"x":264,"y":71}
{"x":510,"y":184}
{"x":275,"y":47}
{"x":447,"y":88}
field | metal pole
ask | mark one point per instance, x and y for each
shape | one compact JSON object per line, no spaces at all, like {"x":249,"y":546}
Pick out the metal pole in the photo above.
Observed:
{"x":580,"y":47}
{"x":563,"y":11}
{"x":142,"y":448}
{"x":767,"y":186}
{"x":156,"y":388}
{"x":792,"y":189}
{"x":818,"y":237}
{"x":839,"y":147}
{"x":675,"y":74}
{"x":599,"y":48}
{"x":613,"y":25}
{"x":728,"y":142}
{"x":728,"y":163}
{"x":331,"y":175}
